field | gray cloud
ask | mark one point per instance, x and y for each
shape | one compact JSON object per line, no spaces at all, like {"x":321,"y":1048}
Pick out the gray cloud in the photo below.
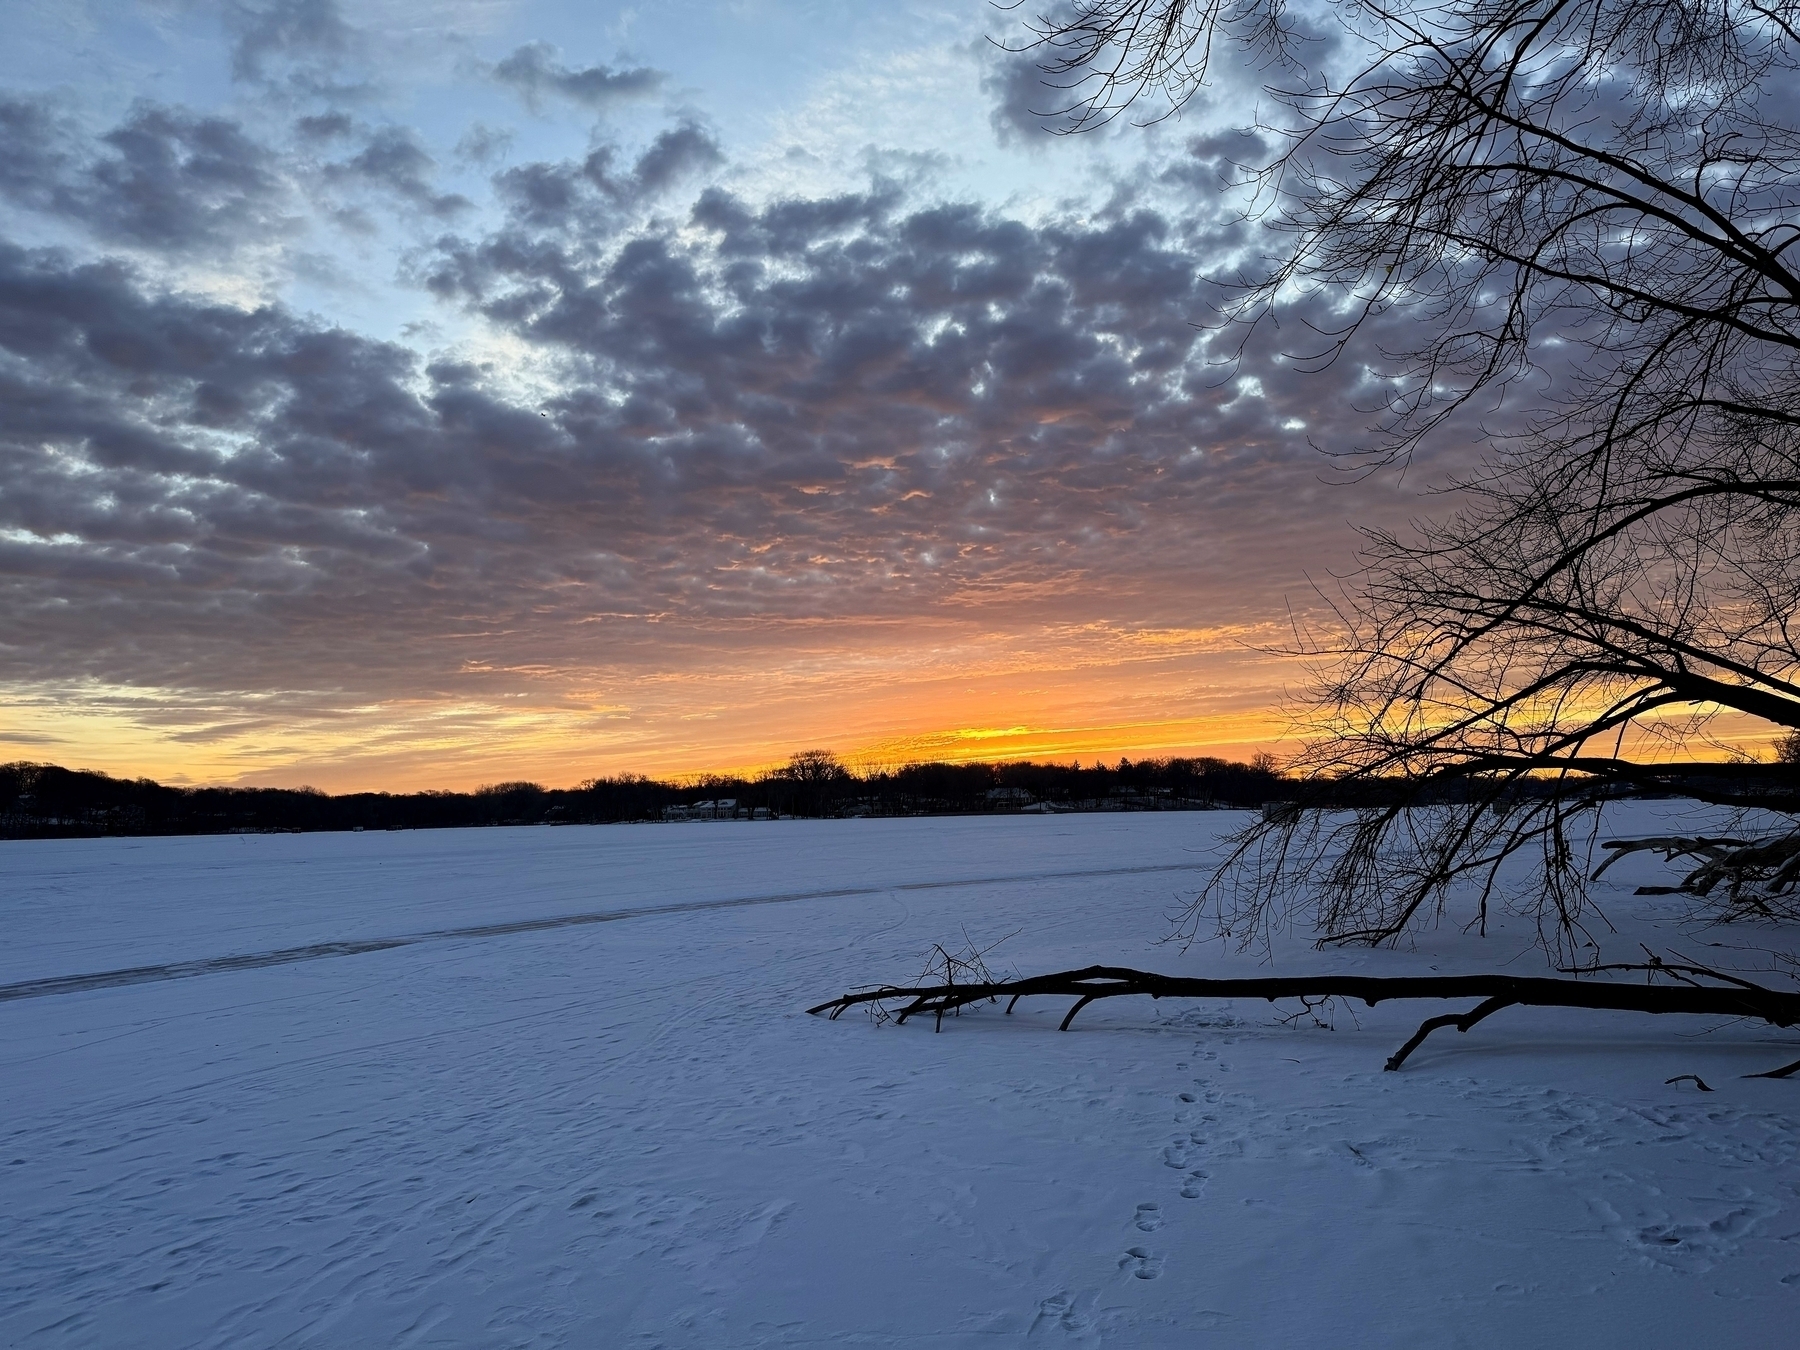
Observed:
{"x":164,"y":179}
{"x":675,"y":155}
{"x":867,"y":407}
{"x":482,"y":144}
{"x":1213,"y":161}
{"x":1026,"y":105}
{"x":534,"y":73}
{"x":35,"y":148}
{"x":178,"y":180}
{"x":286,"y":33}
{"x":169,"y":181}
{"x":594,"y":192}
{"x":324,"y":128}
{"x":393,"y":161}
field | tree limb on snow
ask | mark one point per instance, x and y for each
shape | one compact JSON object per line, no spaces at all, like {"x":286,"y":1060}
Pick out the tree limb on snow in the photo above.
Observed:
{"x":1091,"y":983}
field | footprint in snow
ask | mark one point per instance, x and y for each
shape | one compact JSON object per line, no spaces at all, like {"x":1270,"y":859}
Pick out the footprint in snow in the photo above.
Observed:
{"x":1691,"y":1242}
{"x":1176,"y":1154}
{"x":1149,"y":1217}
{"x":1194,"y":1185}
{"x":1060,"y":1310}
{"x":1141,"y":1262}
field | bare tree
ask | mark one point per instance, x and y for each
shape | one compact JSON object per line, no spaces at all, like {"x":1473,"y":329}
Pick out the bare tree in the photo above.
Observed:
{"x":1595,"y":197}
{"x":811,"y":783}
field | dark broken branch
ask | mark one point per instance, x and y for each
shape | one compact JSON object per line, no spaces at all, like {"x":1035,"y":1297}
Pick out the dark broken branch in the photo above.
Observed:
{"x":1754,"y":870}
{"x":1461,"y":1021}
{"x":1696,"y":1080}
{"x":1785,"y":1071}
{"x":1670,"y":846}
{"x":1738,"y":998}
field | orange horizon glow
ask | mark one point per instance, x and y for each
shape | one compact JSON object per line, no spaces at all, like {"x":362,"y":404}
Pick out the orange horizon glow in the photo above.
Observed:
{"x":1004,"y":746}
{"x":526,"y":745}
{"x":876,"y":695}
{"x":1092,"y":691}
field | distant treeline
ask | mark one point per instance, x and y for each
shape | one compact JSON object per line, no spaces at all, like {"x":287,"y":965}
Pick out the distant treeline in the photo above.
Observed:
{"x":46,"y":801}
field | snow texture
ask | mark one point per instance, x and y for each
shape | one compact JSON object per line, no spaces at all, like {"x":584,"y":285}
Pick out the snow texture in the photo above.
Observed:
{"x":542,"y":1087}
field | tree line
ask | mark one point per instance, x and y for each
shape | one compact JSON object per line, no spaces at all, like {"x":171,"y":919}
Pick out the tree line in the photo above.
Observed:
{"x":48,"y":801}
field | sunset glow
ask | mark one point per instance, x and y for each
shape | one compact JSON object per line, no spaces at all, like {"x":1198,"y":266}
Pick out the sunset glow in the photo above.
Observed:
{"x":1052,"y":695}
{"x":552,"y":391}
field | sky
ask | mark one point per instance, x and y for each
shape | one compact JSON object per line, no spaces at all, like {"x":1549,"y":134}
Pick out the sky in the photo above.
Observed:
{"x":403,"y":395}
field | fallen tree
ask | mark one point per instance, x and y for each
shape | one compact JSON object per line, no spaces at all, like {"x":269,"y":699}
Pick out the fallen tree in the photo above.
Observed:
{"x":1726,"y":996}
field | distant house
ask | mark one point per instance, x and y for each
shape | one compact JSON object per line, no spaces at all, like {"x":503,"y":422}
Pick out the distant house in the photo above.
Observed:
{"x":725,"y":808}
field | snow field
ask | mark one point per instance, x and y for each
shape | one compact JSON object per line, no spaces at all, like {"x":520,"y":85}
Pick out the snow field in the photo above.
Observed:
{"x":626,"y":1132}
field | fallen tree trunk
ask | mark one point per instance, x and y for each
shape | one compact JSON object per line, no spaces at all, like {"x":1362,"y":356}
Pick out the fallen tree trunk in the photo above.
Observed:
{"x":1732,"y":997}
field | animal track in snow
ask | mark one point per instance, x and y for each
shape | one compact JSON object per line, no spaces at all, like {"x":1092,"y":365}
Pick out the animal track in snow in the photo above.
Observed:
{"x":1141,"y":1262}
{"x":1149,"y":1217}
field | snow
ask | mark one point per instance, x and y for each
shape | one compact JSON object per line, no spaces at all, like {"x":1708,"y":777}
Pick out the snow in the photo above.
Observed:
{"x":624,"y":1131}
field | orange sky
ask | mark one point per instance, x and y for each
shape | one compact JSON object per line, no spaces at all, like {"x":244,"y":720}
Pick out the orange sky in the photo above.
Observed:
{"x":1092,"y":692}
{"x":1095,"y":691}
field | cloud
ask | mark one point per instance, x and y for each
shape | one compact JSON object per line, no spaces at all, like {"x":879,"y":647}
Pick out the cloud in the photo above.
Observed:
{"x":287,"y":33}
{"x":747,"y":419}
{"x":35,"y":148}
{"x":324,"y":127}
{"x":138,"y":482}
{"x":307,"y":37}
{"x":594,"y":193}
{"x":393,"y":161}
{"x":676,"y":154}
{"x":170,"y":182}
{"x":534,"y":73}
{"x":164,"y":179}
{"x":1217,"y":160}
{"x":482,"y":144}
{"x":1026,"y":106}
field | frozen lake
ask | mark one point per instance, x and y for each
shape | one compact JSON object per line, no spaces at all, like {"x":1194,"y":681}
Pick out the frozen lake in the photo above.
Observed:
{"x":547,"y":1087}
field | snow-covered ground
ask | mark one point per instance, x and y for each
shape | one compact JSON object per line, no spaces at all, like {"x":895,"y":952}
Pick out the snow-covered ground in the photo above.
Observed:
{"x":622,"y":1130}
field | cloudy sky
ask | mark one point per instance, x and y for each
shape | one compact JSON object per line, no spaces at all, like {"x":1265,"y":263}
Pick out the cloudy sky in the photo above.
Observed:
{"x":411,"y":394}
